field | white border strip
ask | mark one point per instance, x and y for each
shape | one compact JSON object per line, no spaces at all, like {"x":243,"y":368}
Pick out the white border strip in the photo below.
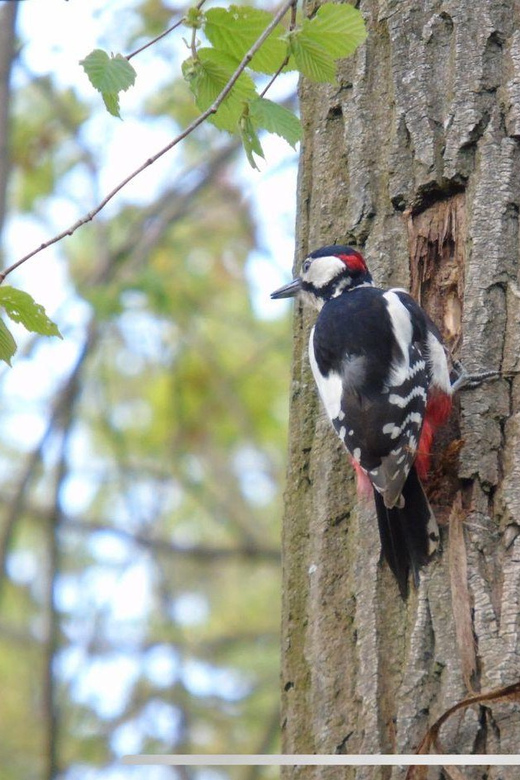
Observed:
{"x":263,"y":759}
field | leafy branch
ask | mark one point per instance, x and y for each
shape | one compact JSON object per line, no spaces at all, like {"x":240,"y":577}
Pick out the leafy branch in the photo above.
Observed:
{"x":242,"y":37}
{"x":212,"y":109}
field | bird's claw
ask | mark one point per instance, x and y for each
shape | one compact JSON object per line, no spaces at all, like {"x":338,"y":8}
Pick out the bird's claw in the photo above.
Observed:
{"x":466,"y":381}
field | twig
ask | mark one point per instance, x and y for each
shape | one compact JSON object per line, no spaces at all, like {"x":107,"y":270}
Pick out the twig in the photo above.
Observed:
{"x":431,"y":738}
{"x":151,"y":160}
{"x":275,"y":76}
{"x":163,"y":34}
{"x":292,"y":25}
{"x":154,"y":40}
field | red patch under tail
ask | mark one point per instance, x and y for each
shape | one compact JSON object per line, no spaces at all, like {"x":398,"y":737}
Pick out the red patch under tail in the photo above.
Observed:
{"x":437,"y":412}
{"x":364,"y":486}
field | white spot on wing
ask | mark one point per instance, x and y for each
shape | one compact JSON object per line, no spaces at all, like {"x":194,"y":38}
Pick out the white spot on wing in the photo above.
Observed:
{"x":402,"y":329}
{"x":398,"y":400}
{"x":392,"y":430}
{"x":330,"y":387}
{"x":413,"y":417}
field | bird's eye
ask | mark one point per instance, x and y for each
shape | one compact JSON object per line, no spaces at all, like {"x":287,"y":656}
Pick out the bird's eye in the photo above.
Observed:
{"x":306,"y":266}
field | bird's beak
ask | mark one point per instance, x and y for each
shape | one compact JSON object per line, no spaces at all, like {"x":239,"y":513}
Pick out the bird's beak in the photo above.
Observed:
{"x":288,"y":290}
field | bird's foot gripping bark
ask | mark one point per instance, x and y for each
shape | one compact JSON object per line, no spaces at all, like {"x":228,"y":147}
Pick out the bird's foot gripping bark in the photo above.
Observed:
{"x":462,"y":380}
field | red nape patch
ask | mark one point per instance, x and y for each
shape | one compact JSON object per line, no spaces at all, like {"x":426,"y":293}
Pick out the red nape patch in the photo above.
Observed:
{"x":437,"y":412}
{"x":354,"y":262}
{"x":364,"y":486}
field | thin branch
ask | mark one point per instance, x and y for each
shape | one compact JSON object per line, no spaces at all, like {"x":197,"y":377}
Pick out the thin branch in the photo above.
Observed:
{"x":151,"y":160}
{"x":275,"y":76}
{"x":163,"y":34}
{"x":292,"y":25}
{"x":154,"y":40}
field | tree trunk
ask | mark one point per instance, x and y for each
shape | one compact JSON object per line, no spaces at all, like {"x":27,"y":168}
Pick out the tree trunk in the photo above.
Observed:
{"x":415,"y":158}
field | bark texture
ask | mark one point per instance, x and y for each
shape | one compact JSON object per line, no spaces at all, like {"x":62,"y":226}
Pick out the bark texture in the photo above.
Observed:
{"x":415,"y":158}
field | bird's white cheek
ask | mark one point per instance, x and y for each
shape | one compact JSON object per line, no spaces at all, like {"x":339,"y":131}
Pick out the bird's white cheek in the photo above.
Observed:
{"x":324,"y":269}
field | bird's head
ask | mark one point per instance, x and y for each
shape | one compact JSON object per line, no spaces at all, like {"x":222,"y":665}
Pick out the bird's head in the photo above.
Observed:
{"x":327,"y":273}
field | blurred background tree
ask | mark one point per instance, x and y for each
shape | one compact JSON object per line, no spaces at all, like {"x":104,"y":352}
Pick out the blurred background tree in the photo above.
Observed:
{"x":143,"y":455}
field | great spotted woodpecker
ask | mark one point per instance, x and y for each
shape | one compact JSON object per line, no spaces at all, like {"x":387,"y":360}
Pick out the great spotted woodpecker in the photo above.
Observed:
{"x":383,"y":377}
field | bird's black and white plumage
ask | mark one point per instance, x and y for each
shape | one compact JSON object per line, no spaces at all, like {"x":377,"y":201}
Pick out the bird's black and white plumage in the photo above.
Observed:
{"x":382,"y":374}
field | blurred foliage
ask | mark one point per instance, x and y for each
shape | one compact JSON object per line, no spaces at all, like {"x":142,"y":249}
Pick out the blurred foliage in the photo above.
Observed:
{"x":143,"y":459}
{"x":42,"y":148}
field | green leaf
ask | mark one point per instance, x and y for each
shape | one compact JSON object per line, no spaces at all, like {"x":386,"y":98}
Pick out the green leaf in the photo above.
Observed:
{"x":250,"y":141}
{"x":312,"y":60}
{"x":7,"y":343}
{"x":207,"y":77}
{"x":21,"y":307}
{"x":235,"y":30}
{"x":276,"y":119}
{"x":109,"y":75}
{"x":111,"y":101}
{"x":339,"y":29}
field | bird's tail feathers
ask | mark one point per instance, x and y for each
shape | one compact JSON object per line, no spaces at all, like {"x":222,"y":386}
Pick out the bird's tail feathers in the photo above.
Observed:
{"x":409,"y":534}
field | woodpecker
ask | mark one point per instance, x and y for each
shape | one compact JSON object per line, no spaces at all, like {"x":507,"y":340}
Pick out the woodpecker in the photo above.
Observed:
{"x":382,"y":373}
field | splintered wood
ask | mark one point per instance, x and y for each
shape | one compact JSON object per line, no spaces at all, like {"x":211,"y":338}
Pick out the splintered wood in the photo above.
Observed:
{"x":437,"y":244}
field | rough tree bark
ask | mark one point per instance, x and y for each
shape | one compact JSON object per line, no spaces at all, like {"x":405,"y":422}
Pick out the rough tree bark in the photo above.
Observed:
{"x":415,"y":158}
